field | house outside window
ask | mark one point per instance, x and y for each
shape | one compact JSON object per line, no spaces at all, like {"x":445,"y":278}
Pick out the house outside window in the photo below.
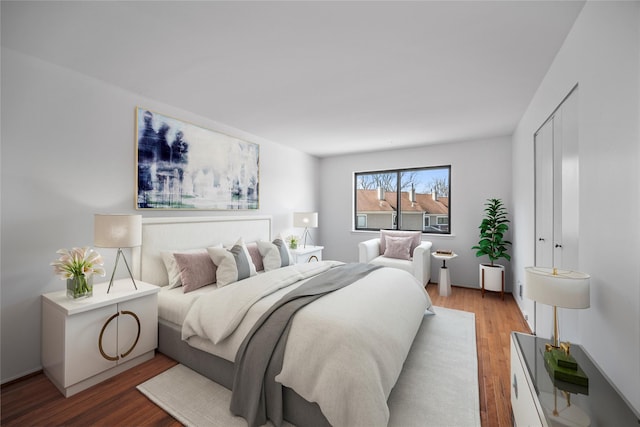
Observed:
{"x":404,"y":199}
{"x":442,"y":222}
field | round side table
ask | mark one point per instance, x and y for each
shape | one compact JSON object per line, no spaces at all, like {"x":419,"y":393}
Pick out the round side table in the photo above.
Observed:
{"x":444,"y":285}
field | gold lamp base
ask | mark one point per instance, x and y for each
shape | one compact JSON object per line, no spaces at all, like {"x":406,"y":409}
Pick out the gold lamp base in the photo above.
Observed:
{"x":563,"y":412}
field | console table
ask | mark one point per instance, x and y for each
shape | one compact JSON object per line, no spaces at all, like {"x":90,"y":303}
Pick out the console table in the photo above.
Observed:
{"x":538,"y":400}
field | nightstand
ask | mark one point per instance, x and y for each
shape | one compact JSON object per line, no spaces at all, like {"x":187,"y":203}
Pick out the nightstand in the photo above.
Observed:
{"x":88,"y":340}
{"x":306,"y":254}
{"x":538,"y":400}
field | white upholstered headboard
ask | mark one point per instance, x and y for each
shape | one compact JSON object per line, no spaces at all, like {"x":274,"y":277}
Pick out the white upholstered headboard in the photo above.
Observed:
{"x":180,"y":233}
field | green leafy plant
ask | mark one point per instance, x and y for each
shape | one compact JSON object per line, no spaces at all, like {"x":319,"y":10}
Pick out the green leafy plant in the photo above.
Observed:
{"x":293,"y":241}
{"x":492,"y":230}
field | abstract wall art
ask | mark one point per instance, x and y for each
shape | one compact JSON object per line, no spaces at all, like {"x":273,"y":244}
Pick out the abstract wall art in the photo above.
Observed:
{"x":184,"y":166}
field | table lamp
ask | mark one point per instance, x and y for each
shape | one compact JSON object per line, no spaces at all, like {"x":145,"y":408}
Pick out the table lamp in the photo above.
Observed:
{"x":118,"y":231}
{"x":306,"y":220}
{"x":566,"y":289}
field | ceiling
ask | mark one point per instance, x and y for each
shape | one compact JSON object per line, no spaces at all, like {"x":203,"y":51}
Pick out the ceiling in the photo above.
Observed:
{"x":326,"y":78}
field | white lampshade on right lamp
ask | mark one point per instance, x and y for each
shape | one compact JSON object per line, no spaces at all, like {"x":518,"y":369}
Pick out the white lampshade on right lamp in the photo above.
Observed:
{"x":559,"y":288}
{"x":305,"y":220}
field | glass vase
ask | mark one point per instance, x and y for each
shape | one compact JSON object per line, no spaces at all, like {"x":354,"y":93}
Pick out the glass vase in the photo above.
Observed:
{"x":80,"y":287}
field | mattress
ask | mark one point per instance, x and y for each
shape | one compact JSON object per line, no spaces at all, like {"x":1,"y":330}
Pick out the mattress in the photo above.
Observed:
{"x":173,"y":304}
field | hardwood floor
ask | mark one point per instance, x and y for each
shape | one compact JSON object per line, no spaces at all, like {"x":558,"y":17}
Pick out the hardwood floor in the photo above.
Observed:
{"x":34,"y":401}
{"x":495,"y":319}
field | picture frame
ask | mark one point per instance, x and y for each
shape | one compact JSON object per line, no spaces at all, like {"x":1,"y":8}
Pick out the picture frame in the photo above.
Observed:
{"x":183,"y":166}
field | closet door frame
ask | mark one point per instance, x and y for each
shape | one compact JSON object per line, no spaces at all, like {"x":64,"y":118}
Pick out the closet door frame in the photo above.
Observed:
{"x":556,"y":192}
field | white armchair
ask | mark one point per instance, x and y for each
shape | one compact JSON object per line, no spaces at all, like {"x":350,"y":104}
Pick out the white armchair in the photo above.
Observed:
{"x":419,"y":265}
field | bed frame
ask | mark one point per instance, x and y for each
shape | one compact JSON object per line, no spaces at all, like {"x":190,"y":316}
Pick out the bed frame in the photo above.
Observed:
{"x":180,"y":233}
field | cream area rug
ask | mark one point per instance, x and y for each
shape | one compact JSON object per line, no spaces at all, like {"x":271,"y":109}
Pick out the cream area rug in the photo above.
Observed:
{"x":438,"y":385}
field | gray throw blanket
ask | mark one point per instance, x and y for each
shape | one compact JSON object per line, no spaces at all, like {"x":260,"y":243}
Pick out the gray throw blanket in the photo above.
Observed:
{"x":256,"y":396}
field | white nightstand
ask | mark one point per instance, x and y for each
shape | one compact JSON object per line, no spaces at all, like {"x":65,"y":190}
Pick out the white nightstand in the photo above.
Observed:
{"x":306,"y":254}
{"x":88,"y":340}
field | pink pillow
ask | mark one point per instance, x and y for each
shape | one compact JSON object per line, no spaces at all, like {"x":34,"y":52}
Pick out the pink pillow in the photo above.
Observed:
{"x":196,"y":270}
{"x":256,"y":257}
{"x":416,"y":238}
{"x":398,"y":247}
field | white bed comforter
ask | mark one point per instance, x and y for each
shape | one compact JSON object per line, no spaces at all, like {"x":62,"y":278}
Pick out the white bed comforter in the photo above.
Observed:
{"x":345,"y":351}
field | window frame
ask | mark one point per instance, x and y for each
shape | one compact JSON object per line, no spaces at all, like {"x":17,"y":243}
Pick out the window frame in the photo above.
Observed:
{"x":398,"y":213}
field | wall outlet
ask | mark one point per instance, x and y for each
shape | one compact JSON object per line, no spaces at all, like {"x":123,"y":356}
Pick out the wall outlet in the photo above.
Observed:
{"x":520,"y":289}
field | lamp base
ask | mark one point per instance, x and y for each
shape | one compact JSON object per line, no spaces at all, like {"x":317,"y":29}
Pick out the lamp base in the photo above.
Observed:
{"x":304,"y":235}
{"x":562,"y":412}
{"x":116,"y":267}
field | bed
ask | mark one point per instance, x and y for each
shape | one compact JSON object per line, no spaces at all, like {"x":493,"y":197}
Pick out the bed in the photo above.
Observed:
{"x":199,"y":336}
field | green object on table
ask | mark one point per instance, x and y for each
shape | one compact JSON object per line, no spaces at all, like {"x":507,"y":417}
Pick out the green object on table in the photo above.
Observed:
{"x":564,"y":360}
{"x":573,"y":376}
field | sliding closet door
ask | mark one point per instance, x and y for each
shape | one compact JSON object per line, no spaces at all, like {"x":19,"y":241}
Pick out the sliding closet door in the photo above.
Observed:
{"x":557,"y":203}
{"x":544,"y":195}
{"x":556,"y":188}
{"x":566,"y":131}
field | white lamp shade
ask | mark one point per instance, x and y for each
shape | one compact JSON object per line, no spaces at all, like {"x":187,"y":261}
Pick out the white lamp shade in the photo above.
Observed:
{"x":305,"y":219}
{"x":117,"y":231}
{"x":566,"y":289}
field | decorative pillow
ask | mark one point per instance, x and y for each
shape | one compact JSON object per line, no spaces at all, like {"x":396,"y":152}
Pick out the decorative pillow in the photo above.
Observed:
{"x":196,"y":270}
{"x":173,"y":272}
{"x":285,"y":256}
{"x":398,"y":247}
{"x":256,"y":256}
{"x":233,"y":264}
{"x":415,"y":235}
{"x":270,"y":255}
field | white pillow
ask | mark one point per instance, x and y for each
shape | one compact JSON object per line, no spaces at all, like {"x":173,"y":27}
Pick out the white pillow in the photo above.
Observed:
{"x":270,"y":253}
{"x":285,"y":256}
{"x":233,"y":264}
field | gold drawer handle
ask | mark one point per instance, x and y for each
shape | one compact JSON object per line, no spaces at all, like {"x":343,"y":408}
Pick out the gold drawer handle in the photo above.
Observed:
{"x":105,"y":355}
{"x":313,"y":258}
{"x":131,"y":313}
{"x":125,"y":354}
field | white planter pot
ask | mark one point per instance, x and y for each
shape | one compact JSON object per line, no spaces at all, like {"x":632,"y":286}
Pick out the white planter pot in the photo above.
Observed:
{"x":491,"y":278}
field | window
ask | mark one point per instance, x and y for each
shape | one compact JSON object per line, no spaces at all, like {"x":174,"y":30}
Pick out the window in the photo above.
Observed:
{"x":404,"y":199}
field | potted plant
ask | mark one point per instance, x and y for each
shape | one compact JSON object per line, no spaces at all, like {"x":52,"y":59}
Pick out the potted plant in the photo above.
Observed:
{"x":493,"y":227}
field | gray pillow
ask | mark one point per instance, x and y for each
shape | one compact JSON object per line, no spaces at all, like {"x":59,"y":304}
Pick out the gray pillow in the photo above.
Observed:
{"x":233,"y":264}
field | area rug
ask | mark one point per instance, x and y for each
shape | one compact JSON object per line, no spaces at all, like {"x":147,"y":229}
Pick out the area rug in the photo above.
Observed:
{"x":438,"y":385}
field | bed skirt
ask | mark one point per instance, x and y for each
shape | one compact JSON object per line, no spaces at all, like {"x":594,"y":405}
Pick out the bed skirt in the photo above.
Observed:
{"x":297,"y":410}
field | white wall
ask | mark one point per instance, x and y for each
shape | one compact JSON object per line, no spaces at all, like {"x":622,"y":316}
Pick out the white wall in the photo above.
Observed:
{"x":602,"y":55}
{"x":479,"y":170}
{"x":67,"y":153}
